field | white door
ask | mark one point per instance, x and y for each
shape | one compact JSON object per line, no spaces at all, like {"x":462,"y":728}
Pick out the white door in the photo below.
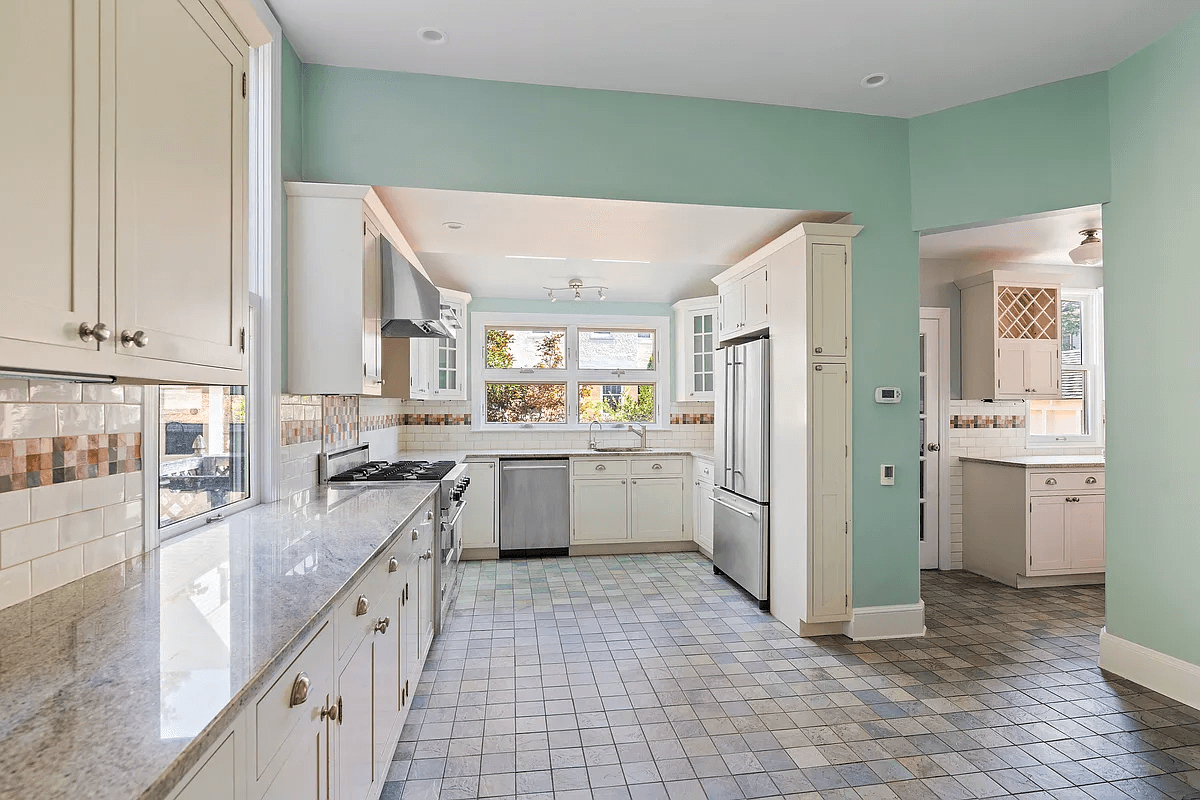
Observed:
{"x":600,"y":510}
{"x":828,"y":300}
{"x":1011,"y":373}
{"x":1042,"y":364}
{"x":180,"y":182}
{"x":49,"y":58}
{"x":703,"y":515}
{"x":700,"y":349}
{"x":355,"y":731}
{"x":1049,"y":547}
{"x":730,"y":309}
{"x":932,"y":411}
{"x":756,"y":295}
{"x":479,"y":517}
{"x":657,"y":505}
{"x":303,"y":776}
{"x":829,"y":580}
{"x":1085,"y":530}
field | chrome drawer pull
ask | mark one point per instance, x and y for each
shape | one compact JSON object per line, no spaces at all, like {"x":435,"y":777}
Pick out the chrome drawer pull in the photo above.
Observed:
{"x":361,"y":607}
{"x":600,"y":468}
{"x":299,"y":690}
{"x":1051,"y":482}
{"x":658,"y":466}
{"x":1090,"y":480}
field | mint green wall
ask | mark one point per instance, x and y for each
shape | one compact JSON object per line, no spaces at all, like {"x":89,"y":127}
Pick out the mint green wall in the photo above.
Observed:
{"x":400,"y":129}
{"x":1152,"y":297}
{"x":1037,"y":150}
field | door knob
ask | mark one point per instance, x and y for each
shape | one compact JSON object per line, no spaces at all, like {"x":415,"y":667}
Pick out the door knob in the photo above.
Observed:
{"x":818,"y":350}
{"x":98,"y":332}
{"x":428,"y":554}
{"x":934,"y":447}
{"x":382,"y":623}
{"x":135,"y":339}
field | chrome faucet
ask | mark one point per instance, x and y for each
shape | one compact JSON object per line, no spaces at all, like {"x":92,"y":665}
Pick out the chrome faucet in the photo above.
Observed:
{"x":641,"y":431}
{"x":591,"y":438}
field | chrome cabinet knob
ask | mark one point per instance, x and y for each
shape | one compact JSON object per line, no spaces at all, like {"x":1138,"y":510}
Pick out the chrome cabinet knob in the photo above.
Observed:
{"x":360,"y":608}
{"x":98,"y":332}
{"x":933,"y":447}
{"x":300,"y":688}
{"x":428,"y":554}
{"x":1090,"y":480}
{"x":393,"y":564}
{"x":135,"y":339}
{"x":428,"y":516}
{"x":329,"y":713}
{"x":1051,"y":481}
{"x":818,"y":349}
{"x":381,"y":625}
{"x":818,"y":367}
{"x":415,"y":534}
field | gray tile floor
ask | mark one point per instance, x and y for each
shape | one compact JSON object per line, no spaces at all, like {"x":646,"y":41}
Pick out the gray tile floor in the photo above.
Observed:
{"x":630,"y":677}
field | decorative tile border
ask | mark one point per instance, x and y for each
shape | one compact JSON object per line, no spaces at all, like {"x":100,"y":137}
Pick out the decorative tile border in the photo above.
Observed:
{"x":377,"y":422}
{"x":340,"y":414}
{"x":691,"y":419}
{"x":26,"y":463}
{"x":987,"y":421}
{"x":299,"y":431}
{"x":435,"y":419}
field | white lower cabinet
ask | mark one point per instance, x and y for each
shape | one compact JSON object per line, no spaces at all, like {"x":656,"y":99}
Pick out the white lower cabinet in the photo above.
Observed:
{"x":219,"y":777}
{"x":656,"y":509}
{"x":1066,"y":532}
{"x":354,"y":754}
{"x":599,"y":510}
{"x":481,"y":513}
{"x":702,"y":504}
{"x":303,"y":776}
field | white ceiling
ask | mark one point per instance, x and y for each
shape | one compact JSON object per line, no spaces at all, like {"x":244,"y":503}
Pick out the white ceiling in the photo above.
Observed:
{"x":806,"y":53}
{"x":683,"y":246}
{"x":1036,"y":239}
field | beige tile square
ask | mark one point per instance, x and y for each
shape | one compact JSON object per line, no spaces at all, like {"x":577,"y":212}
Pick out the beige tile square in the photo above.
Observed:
{"x":52,"y":571}
{"x":28,"y":542}
{"x":26,"y":421}
{"x":123,"y":419}
{"x":80,"y":419}
{"x":54,"y":392}
{"x":79,"y":528}
{"x":16,"y":584}
{"x":56,"y":500}
{"x":103,"y":553}
{"x":14,"y":509}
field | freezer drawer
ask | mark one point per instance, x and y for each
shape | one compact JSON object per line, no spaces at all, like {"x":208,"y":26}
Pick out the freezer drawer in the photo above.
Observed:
{"x":740,"y":542}
{"x":535,"y":507}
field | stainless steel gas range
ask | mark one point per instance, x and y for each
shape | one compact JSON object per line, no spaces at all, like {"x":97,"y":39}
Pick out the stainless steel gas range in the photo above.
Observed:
{"x":355,"y":467}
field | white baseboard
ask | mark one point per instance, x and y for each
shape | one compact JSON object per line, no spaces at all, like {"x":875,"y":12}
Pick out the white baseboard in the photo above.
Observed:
{"x":886,"y":622}
{"x":1159,"y":672}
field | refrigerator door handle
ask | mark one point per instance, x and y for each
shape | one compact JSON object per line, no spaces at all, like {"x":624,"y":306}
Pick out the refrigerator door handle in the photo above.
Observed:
{"x":721,"y":502}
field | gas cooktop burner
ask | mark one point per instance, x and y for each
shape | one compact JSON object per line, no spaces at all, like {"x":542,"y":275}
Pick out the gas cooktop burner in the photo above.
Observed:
{"x":396,"y":471}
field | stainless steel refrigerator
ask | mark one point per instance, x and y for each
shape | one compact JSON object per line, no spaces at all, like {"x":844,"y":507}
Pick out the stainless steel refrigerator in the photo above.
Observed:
{"x":743,"y":479}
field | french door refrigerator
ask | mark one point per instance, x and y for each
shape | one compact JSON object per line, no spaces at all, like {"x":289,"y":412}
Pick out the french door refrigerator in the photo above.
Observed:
{"x":741,"y":493}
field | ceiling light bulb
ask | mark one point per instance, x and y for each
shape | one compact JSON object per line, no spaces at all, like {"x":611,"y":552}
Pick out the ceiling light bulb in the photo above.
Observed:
{"x":578,"y":296}
{"x":601,"y":292}
{"x":1090,"y":252}
{"x":550,"y":294}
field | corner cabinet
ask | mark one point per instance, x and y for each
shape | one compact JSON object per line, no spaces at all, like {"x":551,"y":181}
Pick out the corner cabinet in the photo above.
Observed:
{"x":1011,"y":338}
{"x":132,"y":260}
{"x":696,"y":323}
{"x":335,"y":344}
{"x":744,"y":305}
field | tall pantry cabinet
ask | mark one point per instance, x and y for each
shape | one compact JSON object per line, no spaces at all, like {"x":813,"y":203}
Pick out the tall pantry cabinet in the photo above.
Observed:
{"x":802,"y":281}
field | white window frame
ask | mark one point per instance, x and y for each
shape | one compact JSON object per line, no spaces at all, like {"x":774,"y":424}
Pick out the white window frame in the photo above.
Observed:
{"x":1092,"y":313}
{"x":265,"y":262}
{"x":572,"y":376}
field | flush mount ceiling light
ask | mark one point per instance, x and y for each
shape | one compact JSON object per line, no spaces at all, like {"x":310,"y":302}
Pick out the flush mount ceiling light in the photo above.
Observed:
{"x":574,"y":285}
{"x":454,"y":226}
{"x":432,"y":35}
{"x":874,"y":80}
{"x":1090,"y":252}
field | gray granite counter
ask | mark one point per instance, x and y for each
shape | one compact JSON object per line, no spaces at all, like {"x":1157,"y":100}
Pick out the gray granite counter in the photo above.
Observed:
{"x":1036,"y":462}
{"x":113,"y":686}
{"x":562,"y":452}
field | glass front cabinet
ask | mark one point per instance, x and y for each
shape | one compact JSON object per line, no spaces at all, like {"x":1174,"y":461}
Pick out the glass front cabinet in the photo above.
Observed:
{"x":695,"y":349}
{"x":449,"y":378}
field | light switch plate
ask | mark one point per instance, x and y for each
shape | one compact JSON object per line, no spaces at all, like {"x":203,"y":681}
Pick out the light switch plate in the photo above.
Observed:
{"x":887,"y":474}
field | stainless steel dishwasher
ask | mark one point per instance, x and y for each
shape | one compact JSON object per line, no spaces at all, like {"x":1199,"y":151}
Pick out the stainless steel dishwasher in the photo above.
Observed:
{"x":535,"y":507}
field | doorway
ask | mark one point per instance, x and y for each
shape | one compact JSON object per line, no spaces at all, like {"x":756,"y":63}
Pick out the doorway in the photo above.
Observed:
{"x":934,"y":420}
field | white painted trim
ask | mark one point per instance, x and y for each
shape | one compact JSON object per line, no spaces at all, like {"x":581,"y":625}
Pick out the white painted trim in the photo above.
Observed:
{"x":942,"y":315}
{"x":886,"y":622}
{"x":822,"y":229}
{"x":1159,"y":672}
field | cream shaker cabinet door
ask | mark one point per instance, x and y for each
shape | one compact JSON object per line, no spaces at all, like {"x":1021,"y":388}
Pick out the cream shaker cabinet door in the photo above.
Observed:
{"x":1049,"y":547}
{"x":828,"y":301}
{"x":180,"y":168}
{"x":731,"y":312}
{"x":1042,"y":365}
{"x":600,"y":510}
{"x":829,"y":542}
{"x":1085,"y":531}
{"x":388,"y":660}
{"x":219,"y":777}
{"x":354,"y":754}
{"x":303,"y":775}
{"x":657,"y":508}
{"x":479,"y":517}
{"x":756,"y":298}
{"x":1010,"y":369}
{"x":703,"y":515}
{"x":49,"y":60}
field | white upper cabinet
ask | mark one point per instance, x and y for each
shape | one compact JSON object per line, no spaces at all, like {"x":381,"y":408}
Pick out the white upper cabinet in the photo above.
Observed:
{"x":125,"y":206}
{"x":450,"y":381}
{"x":695,"y":349}
{"x":1011,"y":338}
{"x":829,"y":301}
{"x":744,"y":305}
{"x":433,"y":368}
{"x":334,"y":293}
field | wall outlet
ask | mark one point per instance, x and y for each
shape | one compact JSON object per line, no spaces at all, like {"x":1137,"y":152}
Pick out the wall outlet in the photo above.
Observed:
{"x":887,"y":474}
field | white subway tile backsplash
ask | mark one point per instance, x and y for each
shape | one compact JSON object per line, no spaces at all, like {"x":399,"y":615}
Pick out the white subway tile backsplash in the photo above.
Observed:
{"x":122,"y":419}
{"x":16,"y":584}
{"x":14,"y":391}
{"x":103,"y":553}
{"x":27,"y":421}
{"x":80,"y":419}
{"x":133,"y":543}
{"x":28,"y":542}
{"x":135,"y":483}
{"x":78,"y":528}
{"x":14,"y":509}
{"x":133,"y":394}
{"x":55,"y":500}
{"x":122,"y":517}
{"x":98,"y":492}
{"x":52,"y":571}
{"x":103,"y":393}
{"x":54,"y":392}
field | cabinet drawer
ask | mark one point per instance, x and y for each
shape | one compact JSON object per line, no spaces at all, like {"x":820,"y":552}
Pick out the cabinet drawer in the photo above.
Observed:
{"x":275,"y":716}
{"x":357,"y":612}
{"x":599,"y":467}
{"x":703,"y":470}
{"x":1059,"y":482}
{"x":658,"y":466}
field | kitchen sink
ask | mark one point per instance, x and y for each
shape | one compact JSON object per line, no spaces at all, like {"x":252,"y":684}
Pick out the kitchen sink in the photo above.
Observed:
{"x":620,"y":449}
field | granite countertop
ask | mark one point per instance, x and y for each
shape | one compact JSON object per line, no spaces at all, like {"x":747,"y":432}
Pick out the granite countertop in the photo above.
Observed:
{"x":562,"y":452}
{"x":1033,"y":462}
{"x":113,"y":686}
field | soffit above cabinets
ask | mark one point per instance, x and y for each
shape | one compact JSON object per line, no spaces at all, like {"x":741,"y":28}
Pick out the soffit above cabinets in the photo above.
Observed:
{"x":809,"y":54}
{"x":645,"y":252}
{"x":1044,"y":239}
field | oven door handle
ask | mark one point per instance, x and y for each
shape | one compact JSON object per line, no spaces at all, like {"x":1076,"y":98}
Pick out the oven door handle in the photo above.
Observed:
{"x":454,"y":519}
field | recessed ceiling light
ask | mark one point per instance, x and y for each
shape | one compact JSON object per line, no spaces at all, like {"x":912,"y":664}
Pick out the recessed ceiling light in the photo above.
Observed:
{"x":432,"y":35}
{"x":542,"y":258}
{"x":618,"y":261}
{"x":875,"y":80}
{"x":454,"y":226}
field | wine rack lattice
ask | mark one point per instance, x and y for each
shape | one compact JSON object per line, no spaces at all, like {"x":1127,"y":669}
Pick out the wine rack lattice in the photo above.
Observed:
{"x":1024,"y":312}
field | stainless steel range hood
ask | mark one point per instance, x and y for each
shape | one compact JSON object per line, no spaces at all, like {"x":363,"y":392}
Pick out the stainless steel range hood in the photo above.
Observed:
{"x":412,"y":305}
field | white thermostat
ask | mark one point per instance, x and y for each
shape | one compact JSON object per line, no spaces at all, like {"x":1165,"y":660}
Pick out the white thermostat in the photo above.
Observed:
{"x":887,"y":394}
{"x":887,"y":474}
